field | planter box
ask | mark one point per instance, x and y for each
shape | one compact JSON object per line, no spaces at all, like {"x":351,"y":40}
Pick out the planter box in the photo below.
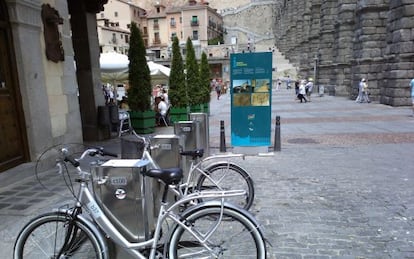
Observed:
{"x":206,"y":108}
{"x":143,"y":122}
{"x":178,"y":114}
{"x":197,"y":108}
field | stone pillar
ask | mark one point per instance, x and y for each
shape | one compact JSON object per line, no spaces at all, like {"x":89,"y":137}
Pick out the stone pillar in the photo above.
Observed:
{"x":328,"y":16}
{"x":86,"y":47}
{"x":306,"y":59}
{"x":342,"y":49}
{"x":314,"y":37}
{"x":369,"y":44}
{"x":399,"y":54}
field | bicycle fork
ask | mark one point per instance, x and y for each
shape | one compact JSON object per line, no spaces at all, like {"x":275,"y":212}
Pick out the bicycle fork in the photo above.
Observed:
{"x":73,"y":240}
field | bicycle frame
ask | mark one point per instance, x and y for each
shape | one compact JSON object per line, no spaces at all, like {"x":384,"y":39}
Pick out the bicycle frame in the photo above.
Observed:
{"x":85,"y":197}
{"x":184,"y":188}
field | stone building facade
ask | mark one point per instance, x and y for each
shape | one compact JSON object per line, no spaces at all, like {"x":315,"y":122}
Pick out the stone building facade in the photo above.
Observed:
{"x":342,"y":41}
{"x":42,"y":92}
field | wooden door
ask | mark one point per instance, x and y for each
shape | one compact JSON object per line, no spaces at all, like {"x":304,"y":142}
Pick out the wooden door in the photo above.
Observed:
{"x":13,"y":140}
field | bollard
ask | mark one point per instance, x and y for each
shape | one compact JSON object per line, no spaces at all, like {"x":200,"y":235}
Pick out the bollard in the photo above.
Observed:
{"x":222,"y":137}
{"x":277,"y":135}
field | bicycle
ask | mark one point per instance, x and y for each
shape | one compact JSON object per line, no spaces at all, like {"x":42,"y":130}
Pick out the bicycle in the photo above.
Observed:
{"x":203,"y":175}
{"x":212,"y":229}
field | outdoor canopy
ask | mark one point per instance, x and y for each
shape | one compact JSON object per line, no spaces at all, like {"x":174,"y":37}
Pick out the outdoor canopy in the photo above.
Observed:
{"x":112,"y":62}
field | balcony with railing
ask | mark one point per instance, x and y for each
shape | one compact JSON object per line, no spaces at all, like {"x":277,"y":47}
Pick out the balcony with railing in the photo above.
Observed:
{"x":194,"y":23}
{"x":156,"y":26}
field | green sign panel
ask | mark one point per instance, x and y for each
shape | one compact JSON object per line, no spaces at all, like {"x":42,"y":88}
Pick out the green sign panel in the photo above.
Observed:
{"x":251,"y":92}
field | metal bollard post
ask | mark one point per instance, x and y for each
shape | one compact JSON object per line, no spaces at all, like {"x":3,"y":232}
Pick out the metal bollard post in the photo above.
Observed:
{"x":277,"y":146}
{"x":222,"y":137}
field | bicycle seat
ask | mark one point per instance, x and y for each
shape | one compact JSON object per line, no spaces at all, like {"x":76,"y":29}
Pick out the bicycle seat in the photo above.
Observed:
{"x":193,"y":153}
{"x":168,"y":176}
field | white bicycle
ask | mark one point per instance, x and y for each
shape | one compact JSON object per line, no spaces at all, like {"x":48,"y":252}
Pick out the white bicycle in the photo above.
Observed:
{"x":213,"y":229}
{"x":211,"y":173}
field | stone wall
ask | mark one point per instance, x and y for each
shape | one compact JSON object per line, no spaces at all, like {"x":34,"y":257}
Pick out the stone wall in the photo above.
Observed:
{"x":349,"y":40}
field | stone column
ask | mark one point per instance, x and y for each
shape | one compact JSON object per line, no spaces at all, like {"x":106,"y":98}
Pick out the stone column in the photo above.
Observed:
{"x":86,"y":47}
{"x":399,"y":55}
{"x":327,"y":39}
{"x":314,"y":37}
{"x":342,"y":49}
{"x":306,"y":60}
{"x":369,"y":44}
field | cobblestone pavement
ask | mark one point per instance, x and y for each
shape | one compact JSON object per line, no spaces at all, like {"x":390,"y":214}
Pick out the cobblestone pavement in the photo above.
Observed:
{"x":340,"y":188}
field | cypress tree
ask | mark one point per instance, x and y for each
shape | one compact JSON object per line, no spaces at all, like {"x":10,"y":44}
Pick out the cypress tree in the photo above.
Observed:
{"x":139,"y":77}
{"x":205,"y":78}
{"x":177,"y":89}
{"x":192,"y":79}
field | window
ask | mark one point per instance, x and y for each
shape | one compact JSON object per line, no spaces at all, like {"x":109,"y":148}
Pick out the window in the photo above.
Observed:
{"x":126,"y":39}
{"x":173,"y":35}
{"x":194,"y":21}
{"x":157,"y":38}
{"x":116,"y":14}
{"x":195,"y":35}
{"x":172,"y":22}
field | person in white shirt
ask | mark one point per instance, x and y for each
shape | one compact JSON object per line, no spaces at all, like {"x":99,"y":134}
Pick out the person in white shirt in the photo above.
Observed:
{"x":302,"y":92}
{"x":161,"y":109}
{"x":165,"y":96}
{"x":309,"y":89}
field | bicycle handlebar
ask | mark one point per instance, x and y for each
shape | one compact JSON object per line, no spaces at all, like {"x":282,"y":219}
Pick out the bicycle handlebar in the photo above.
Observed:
{"x":90,"y":151}
{"x":69,"y":158}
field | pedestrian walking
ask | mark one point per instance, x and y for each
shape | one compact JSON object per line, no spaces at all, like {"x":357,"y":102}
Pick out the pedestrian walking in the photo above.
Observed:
{"x":288,"y":82}
{"x":297,"y":87}
{"x":302,"y":92}
{"x":412,"y":94}
{"x":309,"y":88}
{"x":362,"y":92}
{"x":365,"y":97}
{"x":218,"y":90}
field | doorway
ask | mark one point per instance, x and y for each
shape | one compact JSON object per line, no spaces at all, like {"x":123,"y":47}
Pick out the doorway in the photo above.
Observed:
{"x":13,"y":139}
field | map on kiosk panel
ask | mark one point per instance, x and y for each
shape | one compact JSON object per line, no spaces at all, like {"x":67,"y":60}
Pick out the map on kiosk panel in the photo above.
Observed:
{"x":251,"y":92}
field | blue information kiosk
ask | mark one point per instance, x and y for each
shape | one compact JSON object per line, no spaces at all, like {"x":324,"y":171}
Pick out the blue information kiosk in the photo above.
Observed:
{"x":251,"y":93}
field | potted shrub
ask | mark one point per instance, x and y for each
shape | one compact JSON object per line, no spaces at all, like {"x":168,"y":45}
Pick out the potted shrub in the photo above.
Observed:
{"x":193,"y":78}
{"x":177,"y":92}
{"x":139,"y":91}
{"x":205,"y":88}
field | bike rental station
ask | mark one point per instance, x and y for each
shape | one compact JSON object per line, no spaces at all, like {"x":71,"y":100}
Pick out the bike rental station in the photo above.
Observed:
{"x":126,"y":193}
{"x":161,"y":198}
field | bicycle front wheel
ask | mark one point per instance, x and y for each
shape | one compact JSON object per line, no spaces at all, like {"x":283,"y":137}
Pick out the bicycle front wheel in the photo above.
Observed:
{"x":228,"y":176}
{"x":216,"y":232}
{"x":49,"y":236}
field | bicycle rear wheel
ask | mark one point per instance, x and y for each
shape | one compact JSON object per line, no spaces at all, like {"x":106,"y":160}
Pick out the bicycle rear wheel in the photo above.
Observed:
{"x":228,"y":176}
{"x":44,"y":237}
{"x":224,"y":233}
